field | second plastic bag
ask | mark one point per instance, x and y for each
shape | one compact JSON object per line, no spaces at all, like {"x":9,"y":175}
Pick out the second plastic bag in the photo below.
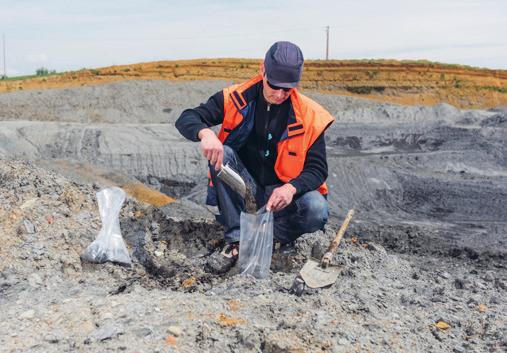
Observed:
{"x":109,"y":245}
{"x":256,"y":243}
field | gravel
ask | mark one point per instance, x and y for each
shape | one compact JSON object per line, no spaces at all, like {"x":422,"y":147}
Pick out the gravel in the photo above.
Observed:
{"x":427,"y":245}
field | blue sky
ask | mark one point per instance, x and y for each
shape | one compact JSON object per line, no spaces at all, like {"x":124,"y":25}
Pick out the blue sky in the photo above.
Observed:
{"x":69,"y":35}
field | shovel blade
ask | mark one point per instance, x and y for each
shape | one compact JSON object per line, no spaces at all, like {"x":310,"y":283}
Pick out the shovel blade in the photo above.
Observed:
{"x":316,"y":277}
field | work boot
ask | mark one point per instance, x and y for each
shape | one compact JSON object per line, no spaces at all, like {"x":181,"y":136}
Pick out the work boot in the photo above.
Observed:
{"x":221,"y":261}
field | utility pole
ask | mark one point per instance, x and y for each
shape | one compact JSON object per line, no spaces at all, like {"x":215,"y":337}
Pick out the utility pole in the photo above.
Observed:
{"x":5,"y":72}
{"x":327,"y":42}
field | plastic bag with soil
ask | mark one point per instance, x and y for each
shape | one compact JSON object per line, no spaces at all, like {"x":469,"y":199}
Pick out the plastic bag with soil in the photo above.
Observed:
{"x":256,"y":243}
{"x":109,"y":244}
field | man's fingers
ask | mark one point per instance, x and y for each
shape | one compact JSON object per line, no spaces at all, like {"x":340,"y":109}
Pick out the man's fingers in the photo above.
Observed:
{"x":214,"y":155}
{"x":283,"y":204}
{"x":277,"y":204}
{"x":220,"y":159}
{"x":269,"y":205}
{"x":208,"y":154}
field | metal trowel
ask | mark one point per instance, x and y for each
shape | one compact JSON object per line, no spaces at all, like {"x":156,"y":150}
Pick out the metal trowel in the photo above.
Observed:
{"x":321,"y":273}
{"x":233,"y":179}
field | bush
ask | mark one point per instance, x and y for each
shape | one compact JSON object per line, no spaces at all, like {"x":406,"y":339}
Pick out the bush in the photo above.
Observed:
{"x":42,"y":71}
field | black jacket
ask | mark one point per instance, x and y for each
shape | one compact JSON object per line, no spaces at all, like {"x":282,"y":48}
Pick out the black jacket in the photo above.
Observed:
{"x":260,"y":150}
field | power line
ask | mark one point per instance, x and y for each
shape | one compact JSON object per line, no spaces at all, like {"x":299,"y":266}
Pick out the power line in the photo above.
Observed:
{"x":5,"y":72}
{"x":327,"y":42}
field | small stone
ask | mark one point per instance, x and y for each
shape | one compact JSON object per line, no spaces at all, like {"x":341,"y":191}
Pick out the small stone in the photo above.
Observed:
{"x":106,"y":316}
{"x":445,"y":275}
{"x":143,"y":332}
{"x":175,"y":330}
{"x":404,"y":299}
{"x":459,"y":349}
{"x":488,"y":277}
{"x":494,"y":300}
{"x":29,"y":314}
{"x":249,"y":340}
{"x":459,"y":284}
{"x":480,"y":285}
{"x":470,"y":330}
{"x":104,"y":333}
{"x":500,"y":284}
{"x":154,"y":182}
{"x":442,"y":325}
{"x":30,"y":228}
{"x":317,"y":250}
{"x":355,"y":257}
{"x":34,"y":280}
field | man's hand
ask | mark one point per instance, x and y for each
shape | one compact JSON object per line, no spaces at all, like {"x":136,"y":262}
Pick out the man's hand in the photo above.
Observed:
{"x":211,"y":147}
{"x":281,"y":197}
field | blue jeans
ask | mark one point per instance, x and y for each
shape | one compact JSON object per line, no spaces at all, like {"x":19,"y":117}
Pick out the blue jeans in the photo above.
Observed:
{"x":305,"y":214}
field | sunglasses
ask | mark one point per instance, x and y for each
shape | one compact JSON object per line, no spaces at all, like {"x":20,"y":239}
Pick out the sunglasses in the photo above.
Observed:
{"x":276,"y":88}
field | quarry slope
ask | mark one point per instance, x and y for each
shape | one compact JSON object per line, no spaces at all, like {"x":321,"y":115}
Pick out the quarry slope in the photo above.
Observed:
{"x":437,"y":167}
{"x":423,"y":261}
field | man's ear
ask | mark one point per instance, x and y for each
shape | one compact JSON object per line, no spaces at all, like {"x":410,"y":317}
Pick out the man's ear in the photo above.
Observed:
{"x":261,"y":69}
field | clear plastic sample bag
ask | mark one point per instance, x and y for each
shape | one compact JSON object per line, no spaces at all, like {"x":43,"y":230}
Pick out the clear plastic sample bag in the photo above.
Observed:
{"x":256,"y":243}
{"x":109,"y":244}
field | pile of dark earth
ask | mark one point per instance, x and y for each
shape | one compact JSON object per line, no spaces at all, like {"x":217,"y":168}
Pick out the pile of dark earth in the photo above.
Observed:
{"x":423,"y":263}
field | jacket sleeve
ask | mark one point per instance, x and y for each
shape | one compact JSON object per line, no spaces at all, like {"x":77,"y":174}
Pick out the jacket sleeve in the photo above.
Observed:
{"x":315,"y":171}
{"x":208,"y":114}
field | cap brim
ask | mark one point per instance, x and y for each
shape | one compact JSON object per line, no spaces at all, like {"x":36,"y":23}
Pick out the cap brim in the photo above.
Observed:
{"x":283,"y":84}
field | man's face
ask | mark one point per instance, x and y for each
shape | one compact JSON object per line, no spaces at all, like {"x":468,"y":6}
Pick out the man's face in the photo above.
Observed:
{"x":274,"y":96}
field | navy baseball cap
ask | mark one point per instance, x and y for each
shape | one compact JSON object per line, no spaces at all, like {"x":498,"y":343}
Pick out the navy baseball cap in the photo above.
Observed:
{"x":283,"y":64}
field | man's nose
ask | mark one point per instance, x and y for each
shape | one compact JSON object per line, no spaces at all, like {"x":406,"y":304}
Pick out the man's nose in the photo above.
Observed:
{"x":279,"y":93}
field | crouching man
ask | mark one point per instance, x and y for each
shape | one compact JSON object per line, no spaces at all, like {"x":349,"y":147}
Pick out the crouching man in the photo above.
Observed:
{"x":273,"y":136}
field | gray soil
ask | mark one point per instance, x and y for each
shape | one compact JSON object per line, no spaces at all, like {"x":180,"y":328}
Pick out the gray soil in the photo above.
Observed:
{"x":427,"y":244}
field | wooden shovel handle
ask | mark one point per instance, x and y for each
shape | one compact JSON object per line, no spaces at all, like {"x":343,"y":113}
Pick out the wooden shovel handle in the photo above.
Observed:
{"x":334,"y":244}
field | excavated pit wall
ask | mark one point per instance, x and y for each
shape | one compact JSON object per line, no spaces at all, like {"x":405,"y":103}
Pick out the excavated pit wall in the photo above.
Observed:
{"x":437,"y":169}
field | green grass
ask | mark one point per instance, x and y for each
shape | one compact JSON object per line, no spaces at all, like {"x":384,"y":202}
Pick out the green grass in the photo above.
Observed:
{"x":422,"y":62}
{"x":18,"y":78}
{"x":27,"y":77}
{"x":495,"y":88}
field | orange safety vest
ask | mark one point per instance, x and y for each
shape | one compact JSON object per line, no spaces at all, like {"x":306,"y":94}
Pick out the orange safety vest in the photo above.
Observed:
{"x":305,"y":124}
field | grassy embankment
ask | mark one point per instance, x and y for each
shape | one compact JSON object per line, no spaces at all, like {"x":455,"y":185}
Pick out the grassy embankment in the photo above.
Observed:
{"x":403,"y":82}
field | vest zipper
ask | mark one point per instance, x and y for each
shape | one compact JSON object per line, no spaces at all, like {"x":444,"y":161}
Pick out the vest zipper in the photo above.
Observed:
{"x":266,"y":144}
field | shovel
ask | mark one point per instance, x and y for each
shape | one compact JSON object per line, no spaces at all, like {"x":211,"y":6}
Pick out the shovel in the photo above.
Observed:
{"x":233,"y":179}
{"x":318,"y":274}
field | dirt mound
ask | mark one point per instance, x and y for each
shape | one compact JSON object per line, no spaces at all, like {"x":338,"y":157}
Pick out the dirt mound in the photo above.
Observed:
{"x":401,"y":82}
